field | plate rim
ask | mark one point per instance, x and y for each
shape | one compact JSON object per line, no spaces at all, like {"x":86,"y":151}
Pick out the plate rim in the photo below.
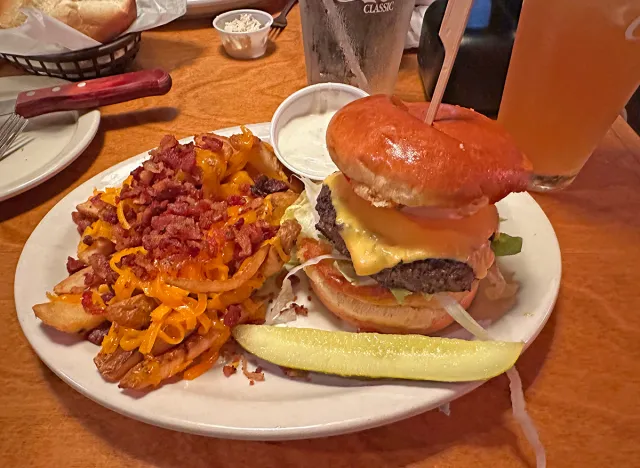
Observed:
{"x":87,"y":124}
{"x":261,"y":433}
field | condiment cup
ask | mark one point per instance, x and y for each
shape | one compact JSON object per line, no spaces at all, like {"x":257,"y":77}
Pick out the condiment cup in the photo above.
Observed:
{"x":317,"y":98}
{"x":244,"y":45}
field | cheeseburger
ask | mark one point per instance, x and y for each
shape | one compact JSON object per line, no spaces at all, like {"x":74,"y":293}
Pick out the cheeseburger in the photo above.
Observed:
{"x":410,"y":216}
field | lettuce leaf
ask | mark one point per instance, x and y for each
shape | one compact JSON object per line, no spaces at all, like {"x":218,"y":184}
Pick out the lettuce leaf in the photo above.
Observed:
{"x":304,"y":213}
{"x":345,"y":267}
{"x":312,"y":189}
{"x":400,"y":294}
{"x":504,"y":244}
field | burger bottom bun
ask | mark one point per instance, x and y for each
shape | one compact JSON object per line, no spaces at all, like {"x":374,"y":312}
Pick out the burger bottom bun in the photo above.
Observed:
{"x":425,"y":317}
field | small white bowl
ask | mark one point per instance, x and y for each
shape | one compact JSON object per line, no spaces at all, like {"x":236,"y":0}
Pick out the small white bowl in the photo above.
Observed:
{"x":244,"y":45}
{"x":322,"y":97}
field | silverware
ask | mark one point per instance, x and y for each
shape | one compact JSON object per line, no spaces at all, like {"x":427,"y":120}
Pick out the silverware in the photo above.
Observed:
{"x":9,"y":131}
{"x":76,"y":96}
{"x":280,"y":22}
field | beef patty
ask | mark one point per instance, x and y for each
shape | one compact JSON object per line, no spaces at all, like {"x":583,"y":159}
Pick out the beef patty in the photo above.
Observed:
{"x":428,"y":276}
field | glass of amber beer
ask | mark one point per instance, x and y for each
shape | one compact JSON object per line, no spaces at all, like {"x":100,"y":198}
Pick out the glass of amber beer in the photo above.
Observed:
{"x":574,"y":66}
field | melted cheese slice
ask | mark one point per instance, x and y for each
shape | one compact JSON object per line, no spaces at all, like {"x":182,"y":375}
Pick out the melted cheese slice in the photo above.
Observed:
{"x":379,"y":238}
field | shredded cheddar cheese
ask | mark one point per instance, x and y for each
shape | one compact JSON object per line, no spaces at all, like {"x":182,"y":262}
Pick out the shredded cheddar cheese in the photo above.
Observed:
{"x":118,"y":256}
{"x":173,"y":340}
{"x":112,"y":340}
{"x":71,"y":298}
{"x":96,"y":230}
{"x":178,"y":313}
{"x":109,"y":195}
{"x":149,"y":337}
{"x":205,"y":324}
{"x":209,"y":358}
{"x":278,"y":247}
{"x":121,"y":218}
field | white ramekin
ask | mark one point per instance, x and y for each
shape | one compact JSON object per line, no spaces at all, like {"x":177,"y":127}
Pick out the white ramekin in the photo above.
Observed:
{"x":244,"y":45}
{"x":333,"y":96}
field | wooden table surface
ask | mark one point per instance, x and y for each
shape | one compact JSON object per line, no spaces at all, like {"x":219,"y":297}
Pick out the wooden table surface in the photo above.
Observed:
{"x":581,"y":376}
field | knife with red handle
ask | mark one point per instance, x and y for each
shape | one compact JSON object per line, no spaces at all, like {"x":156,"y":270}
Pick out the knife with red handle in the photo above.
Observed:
{"x":90,"y":93}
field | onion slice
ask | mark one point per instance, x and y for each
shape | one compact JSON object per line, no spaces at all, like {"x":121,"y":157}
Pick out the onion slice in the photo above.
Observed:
{"x":460,"y":315}
{"x":277,"y":313}
{"x":519,"y":409}
{"x":518,"y":406}
{"x":248,"y":268}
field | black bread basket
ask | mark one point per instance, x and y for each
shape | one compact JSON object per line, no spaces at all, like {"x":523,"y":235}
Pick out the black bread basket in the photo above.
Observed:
{"x":108,"y":59}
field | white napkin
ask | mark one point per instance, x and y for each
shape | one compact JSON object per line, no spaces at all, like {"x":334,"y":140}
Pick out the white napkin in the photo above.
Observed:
{"x":415,"y":27}
{"x":41,"y":34}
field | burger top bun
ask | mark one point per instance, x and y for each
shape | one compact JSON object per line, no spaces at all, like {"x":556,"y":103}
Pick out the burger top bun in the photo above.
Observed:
{"x":102,"y":20}
{"x":393,"y":158}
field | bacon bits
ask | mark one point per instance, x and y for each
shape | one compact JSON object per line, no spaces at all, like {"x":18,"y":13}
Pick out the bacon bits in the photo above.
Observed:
{"x":89,"y":306}
{"x":232,"y":315}
{"x":300,"y":309}
{"x":96,"y":336}
{"x":264,"y":186}
{"x":228,"y":370}
{"x":74,"y":265}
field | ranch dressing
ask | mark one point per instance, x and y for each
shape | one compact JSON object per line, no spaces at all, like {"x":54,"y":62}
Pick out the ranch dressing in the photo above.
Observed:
{"x":302,"y":142}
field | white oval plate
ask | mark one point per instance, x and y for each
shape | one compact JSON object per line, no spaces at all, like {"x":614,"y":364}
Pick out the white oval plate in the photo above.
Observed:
{"x":53,"y":141}
{"x":278,"y":408}
{"x":198,"y":8}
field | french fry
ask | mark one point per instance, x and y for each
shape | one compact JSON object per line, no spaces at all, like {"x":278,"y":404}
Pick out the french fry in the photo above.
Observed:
{"x":189,"y":322}
{"x":154,"y":370}
{"x":113,"y":366}
{"x":287,"y":236}
{"x":262,"y":160}
{"x":133,"y":312}
{"x":67,"y":317}
{"x":280,"y":201}
{"x":100,"y":245}
{"x":73,"y":284}
{"x":88,"y":209}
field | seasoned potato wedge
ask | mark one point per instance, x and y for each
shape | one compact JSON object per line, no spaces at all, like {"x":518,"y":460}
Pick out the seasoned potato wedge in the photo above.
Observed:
{"x":280,"y":201}
{"x":100,"y":246}
{"x":88,"y":209}
{"x":273,"y":263}
{"x":67,"y":317}
{"x":73,"y":284}
{"x":262,"y":160}
{"x":133,"y":312}
{"x":115,"y":365}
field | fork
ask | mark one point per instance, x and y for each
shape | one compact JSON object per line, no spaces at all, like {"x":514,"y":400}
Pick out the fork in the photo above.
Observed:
{"x":9,"y":131}
{"x":280,"y":22}
{"x":77,"y":96}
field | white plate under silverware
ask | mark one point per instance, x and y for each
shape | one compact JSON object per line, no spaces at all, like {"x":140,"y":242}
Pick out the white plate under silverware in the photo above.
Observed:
{"x":49,"y":143}
{"x":278,"y":408}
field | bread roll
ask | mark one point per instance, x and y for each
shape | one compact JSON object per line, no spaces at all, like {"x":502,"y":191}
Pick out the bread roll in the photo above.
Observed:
{"x":393,"y":158}
{"x":102,"y":20}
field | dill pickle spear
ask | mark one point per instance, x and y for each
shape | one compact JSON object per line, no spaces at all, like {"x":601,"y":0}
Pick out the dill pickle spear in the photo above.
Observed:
{"x":373,"y":355}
